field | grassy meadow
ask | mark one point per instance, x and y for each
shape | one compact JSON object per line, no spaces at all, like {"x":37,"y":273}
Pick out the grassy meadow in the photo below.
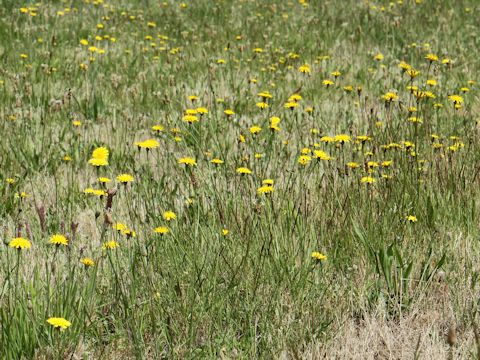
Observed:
{"x":239,"y":179}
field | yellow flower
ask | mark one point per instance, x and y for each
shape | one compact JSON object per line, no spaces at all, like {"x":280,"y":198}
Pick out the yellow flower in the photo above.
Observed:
{"x":265,"y":189}
{"x":378,"y":57}
{"x":431,"y":57}
{"x":367,"y":180}
{"x":327,"y":139}
{"x":274,"y":121}
{"x":390,"y":96}
{"x":403,"y":65}
{"x":99,"y":156}
{"x":265,"y":95}
{"x":216,"y":161}
{"x":290,"y":105}
{"x":20,"y":243}
{"x":244,"y":170}
{"x":413,"y":73}
{"x":321,"y":155}
{"x":229,"y":112}
{"x":342,"y":138}
{"x":98,"y":162}
{"x":87,"y":262}
{"x":268,"y":182}
{"x":363,"y":138}
{"x":304,"y":69}
{"x":457,"y":99}
{"x":304,"y":159}
{"x":202,"y":110}
{"x":187,"y":161}
{"x":261,"y":105}
{"x":255,"y":130}
{"x":411,"y":218}
{"x":103,"y":180}
{"x":58,"y":240}
{"x":327,"y":82}
{"x":190,"y":118}
{"x":157,"y":128}
{"x":318,"y":256}
{"x":353,"y":165}
{"x":59,"y":323}
{"x":169,"y":215}
{"x":162,"y":230}
{"x":225,"y":232}
{"x":125,"y":178}
{"x":148,"y":144}
{"x":295,"y":98}
{"x":99,"y":192}
{"x":110,"y":245}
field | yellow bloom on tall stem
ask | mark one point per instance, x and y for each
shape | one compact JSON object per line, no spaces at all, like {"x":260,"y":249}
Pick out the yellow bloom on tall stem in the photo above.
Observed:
{"x":20,"y":243}
{"x":125,"y":178}
{"x":59,"y":323}
{"x":58,"y":240}
{"x":318,"y":256}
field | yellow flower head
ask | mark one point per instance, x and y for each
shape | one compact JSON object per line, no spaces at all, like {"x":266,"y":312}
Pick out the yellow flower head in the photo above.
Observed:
{"x":58,"y":240}
{"x":411,"y":218}
{"x":321,"y":155}
{"x":255,"y":130}
{"x":318,"y":256}
{"x":295,"y":98}
{"x":20,"y":243}
{"x":216,"y":161}
{"x":190,"y":118}
{"x":327,"y":82}
{"x":390,"y":96}
{"x":304,"y":159}
{"x":413,"y":73}
{"x":342,"y":138}
{"x":87,"y":262}
{"x":265,"y":189}
{"x":304,"y":69}
{"x":110,"y":245}
{"x":367,"y":180}
{"x":244,"y":170}
{"x":457,"y":99}
{"x":125,"y":178}
{"x":59,"y":323}
{"x":169,"y":215}
{"x":187,"y":161}
{"x":157,"y":128}
{"x":162,"y":230}
{"x":148,"y":144}
{"x":290,"y":105}
{"x":98,"y":162}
